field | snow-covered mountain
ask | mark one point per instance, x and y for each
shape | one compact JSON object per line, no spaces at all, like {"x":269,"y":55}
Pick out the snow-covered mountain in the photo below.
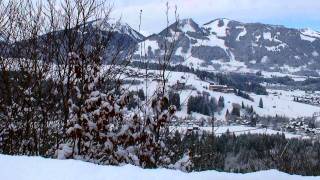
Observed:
{"x":224,"y":45}
{"x":227,"y":45}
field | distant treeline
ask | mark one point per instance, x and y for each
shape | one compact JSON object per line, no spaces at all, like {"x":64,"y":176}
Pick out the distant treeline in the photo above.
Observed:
{"x":248,"y":153}
{"x":244,"y":82}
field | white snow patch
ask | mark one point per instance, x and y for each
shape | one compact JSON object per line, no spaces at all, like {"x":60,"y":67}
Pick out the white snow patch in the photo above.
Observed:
{"x":310,"y":32}
{"x":242,"y":33}
{"x":258,"y":38}
{"x":297,"y":57}
{"x":152,"y":44}
{"x":187,"y":26}
{"x":214,"y":40}
{"x":179,"y":51}
{"x":307,"y":38}
{"x":253,"y":62}
{"x":219,"y":31}
{"x":267,"y":36}
{"x":277,"y":48}
{"x":264,"y":59}
{"x":290,"y":69}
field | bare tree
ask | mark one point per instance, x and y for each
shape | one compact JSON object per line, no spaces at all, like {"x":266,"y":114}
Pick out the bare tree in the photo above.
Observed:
{"x":63,"y":96}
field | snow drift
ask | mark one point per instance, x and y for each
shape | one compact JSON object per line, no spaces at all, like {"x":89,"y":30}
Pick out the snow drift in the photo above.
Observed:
{"x":37,"y":168}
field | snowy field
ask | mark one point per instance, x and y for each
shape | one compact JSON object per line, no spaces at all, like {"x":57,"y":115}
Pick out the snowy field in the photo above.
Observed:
{"x":36,"y":168}
{"x":280,"y":104}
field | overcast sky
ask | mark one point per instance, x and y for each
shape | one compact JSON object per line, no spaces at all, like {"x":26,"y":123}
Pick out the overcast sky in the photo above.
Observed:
{"x":291,"y":13}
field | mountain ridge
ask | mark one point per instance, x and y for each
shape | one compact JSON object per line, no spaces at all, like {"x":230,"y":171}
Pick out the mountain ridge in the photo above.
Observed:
{"x":250,"y":46}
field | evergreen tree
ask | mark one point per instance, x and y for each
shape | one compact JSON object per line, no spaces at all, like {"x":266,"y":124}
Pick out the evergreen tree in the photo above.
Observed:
{"x":235,"y":110}
{"x":251,"y":109}
{"x":253,"y":120}
{"x":227,"y":113}
{"x":202,"y":104}
{"x":221,"y":102}
{"x":260,"y":103}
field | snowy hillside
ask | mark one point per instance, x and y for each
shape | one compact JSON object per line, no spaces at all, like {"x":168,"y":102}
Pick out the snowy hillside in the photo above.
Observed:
{"x":276,"y":103}
{"x":36,"y":168}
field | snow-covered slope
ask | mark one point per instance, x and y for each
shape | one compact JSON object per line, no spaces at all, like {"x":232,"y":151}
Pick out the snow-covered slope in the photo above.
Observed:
{"x":276,"y":103}
{"x":36,"y":168}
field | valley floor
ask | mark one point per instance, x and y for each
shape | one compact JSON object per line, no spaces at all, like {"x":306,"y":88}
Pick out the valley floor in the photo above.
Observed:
{"x":238,"y":130}
{"x":37,"y":168}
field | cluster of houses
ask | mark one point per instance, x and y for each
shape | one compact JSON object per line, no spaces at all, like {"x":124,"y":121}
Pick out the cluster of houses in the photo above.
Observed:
{"x":137,"y":74}
{"x":220,"y":88}
{"x":212,"y":87}
{"x":150,"y":75}
{"x":313,"y":99}
{"x":303,"y":126}
{"x":178,"y":86}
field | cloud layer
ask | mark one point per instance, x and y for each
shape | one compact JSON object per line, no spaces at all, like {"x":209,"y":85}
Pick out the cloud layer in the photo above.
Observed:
{"x":292,"y":13}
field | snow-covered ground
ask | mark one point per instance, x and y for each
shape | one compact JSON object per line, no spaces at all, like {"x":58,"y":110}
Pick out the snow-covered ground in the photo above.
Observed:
{"x":36,"y":168}
{"x":280,"y":104}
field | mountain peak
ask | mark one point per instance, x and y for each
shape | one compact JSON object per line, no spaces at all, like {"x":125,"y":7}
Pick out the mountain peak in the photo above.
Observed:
{"x":189,"y":25}
{"x":127,"y":29}
{"x":187,"y":21}
{"x":117,"y":26}
{"x":183,"y":25}
{"x":217,"y":20}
